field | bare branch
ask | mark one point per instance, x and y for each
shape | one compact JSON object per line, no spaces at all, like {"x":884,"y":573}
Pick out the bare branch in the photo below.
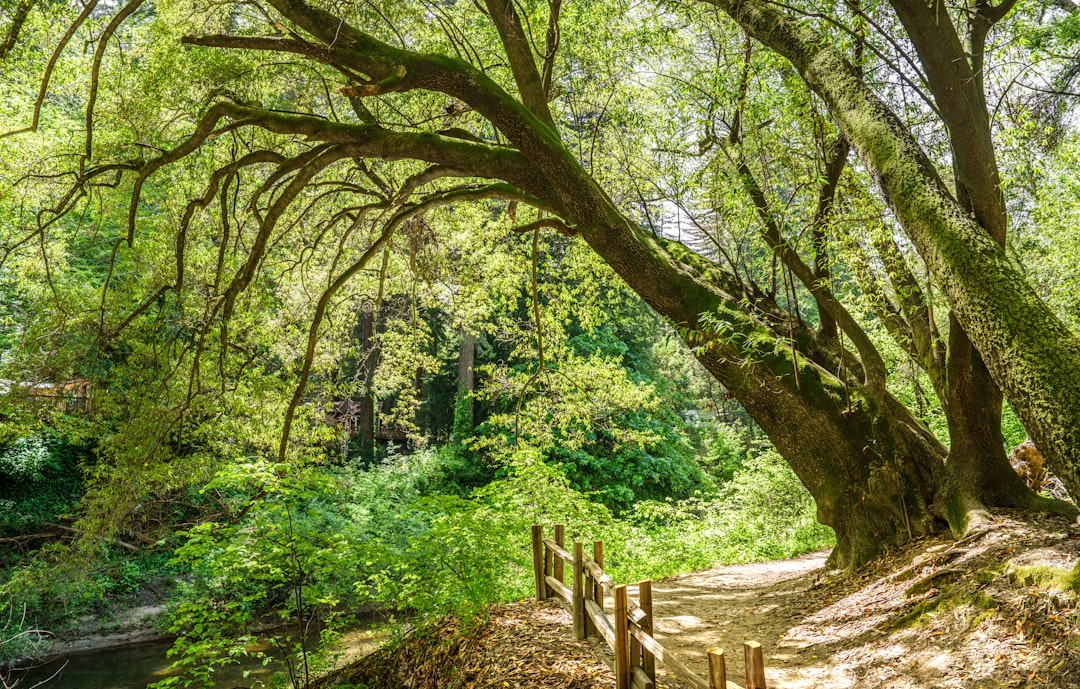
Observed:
{"x":18,"y":18}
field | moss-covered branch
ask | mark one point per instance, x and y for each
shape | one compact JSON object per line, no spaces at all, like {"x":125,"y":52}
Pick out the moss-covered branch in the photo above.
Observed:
{"x":1031,"y":354}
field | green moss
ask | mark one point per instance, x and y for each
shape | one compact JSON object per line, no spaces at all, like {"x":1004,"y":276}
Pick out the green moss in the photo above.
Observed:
{"x":989,"y":574}
{"x":1047,"y":577}
{"x":979,"y":604}
{"x":987,"y":607}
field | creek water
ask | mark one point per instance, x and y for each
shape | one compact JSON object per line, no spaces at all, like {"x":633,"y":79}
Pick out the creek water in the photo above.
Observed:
{"x":134,"y":667}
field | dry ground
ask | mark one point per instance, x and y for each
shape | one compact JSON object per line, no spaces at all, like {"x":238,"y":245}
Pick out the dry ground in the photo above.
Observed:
{"x":979,"y":614}
{"x":989,"y":612}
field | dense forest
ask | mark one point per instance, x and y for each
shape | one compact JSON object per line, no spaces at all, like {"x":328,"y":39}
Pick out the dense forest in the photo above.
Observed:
{"x":314,"y":308}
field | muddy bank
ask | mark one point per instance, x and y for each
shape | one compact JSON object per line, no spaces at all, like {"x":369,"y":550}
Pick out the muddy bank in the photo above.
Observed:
{"x":130,"y":628}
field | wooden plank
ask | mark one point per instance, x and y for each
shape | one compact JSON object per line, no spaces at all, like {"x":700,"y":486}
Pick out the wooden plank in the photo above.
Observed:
{"x":635,"y":613}
{"x":598,"y":558}
{"x":589,"y":587}
{"x":560,"y":540}
{"x":538,"y":560}
{"x":578,"y":602}
{"x":604,"y":626}
{"x":547,"y":571}
{"x":648,"y":662}
{"x":622,"y":650}
{"x":560,"y":589}
{"x":606,"y":583}
{"x":558,"y":550}
{"x":755,"y":665}
{"x":640,"y":680}
{"x":671,"y":661}
{"x":607,"y":661}
{"x":599,"y":574}
{"x":717,"y":669}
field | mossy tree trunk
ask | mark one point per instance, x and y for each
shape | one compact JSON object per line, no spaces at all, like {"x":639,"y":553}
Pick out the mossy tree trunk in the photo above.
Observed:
{"x":872,"y":468}
{"x":1028,"y":351}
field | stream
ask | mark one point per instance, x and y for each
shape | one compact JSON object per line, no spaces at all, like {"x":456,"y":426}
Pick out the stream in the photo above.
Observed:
{"x":133,"y":667}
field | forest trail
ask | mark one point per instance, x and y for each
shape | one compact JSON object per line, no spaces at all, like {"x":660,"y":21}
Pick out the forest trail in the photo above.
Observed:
{"x":995,"y":610}
{"x":984,"y":613}
{"x":728,"y":605}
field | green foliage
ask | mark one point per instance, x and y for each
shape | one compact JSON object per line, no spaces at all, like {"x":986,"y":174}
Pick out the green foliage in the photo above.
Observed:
{"x":433,"y":554}
{"x":40,"y":478}
{"x":19,"y":638}
{"x":762,"y":513}
{"x":285,"y":556}
{"x":601,"y":408}
{"x":61,"y":581}
{"x":724,"y":450}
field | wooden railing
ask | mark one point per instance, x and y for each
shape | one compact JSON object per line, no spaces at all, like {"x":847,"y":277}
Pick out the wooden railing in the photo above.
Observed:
{"x":628,"y":631}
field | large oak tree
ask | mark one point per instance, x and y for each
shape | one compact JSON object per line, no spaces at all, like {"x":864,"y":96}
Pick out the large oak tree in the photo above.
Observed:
{"x":819,"y":391}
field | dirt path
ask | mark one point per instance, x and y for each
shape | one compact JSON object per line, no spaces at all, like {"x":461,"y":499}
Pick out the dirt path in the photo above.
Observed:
{"x":983,"y":613}
{"x":729,"y":605}
{"x":996,"y":610}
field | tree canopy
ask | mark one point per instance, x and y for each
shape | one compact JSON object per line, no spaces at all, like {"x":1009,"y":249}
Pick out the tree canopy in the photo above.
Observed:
{"x":820,"y":199}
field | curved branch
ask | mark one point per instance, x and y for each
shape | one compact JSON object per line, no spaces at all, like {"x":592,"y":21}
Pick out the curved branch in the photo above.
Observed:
{"x":99,"y":54}
{"x":253,"y":158}
{"x":479,"y":159}
{"x":426,"y":176}
{"x":18,"y":18}
{"x":243,"y":277}
{"x":202,"y":132}
{"x":46,"y":78}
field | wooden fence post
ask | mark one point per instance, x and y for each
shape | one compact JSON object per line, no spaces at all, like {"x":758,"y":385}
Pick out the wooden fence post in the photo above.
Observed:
{"x":648,"y":663}
{"x":560,"y":540}
{"x":538,"y":561}
{"x":717,"y":669}
{"x":755,"y":665}
{"x":579,"y":593}
{"x":622,"y":652}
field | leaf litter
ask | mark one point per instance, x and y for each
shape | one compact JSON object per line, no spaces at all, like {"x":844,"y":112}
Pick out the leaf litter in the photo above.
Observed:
{"x":985,"y":612}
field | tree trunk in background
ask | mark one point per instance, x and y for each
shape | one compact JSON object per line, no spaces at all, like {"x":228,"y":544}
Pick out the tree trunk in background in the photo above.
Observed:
{"x":978,"y":470}
{"x":366,"y":420}
{"x":463,"y":409}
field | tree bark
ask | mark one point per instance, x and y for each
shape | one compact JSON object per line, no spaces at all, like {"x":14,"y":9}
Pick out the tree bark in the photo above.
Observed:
{"x":463,"y":410}
{"x":872,"y":471}
{"x":1028,"y":351}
